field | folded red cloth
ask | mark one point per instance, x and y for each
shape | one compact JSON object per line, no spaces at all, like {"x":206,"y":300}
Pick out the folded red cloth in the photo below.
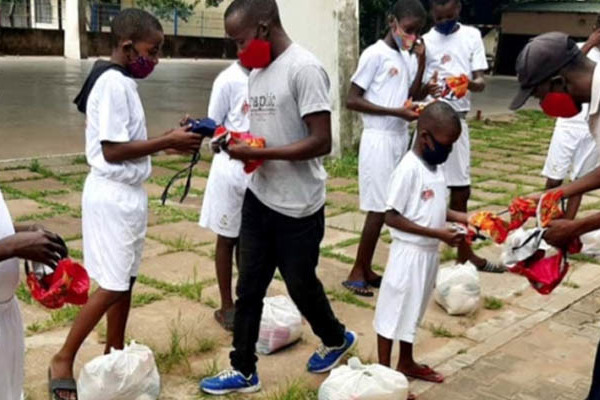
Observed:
{"x":69,"y":283}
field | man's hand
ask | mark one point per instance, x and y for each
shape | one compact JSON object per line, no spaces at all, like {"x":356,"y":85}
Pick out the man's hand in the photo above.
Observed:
{"x":239,"y":150}
{"x":433,"y":87}
{"x":561,"y":233}
{"x":183,"y":141}
{"x":593,"y":41}
{"x":451,"y":237}
{"x":40,"y":246}
{"x":408,"y":114}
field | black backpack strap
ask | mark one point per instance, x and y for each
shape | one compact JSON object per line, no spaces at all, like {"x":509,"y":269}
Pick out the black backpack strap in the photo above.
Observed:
{"x":189,"y":170}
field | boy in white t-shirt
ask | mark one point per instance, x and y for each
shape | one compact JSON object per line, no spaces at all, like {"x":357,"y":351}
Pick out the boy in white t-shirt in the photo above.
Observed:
{"x":453,"y":50}
{"x":114,"y":202}
{"x":572,"y":147}
{"x":227,"y":182}
{"x":31,"y":243}
{"x":417,"y":219}
{"x":389,"y":73}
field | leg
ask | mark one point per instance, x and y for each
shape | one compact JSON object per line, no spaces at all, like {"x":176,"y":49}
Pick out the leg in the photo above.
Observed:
{"x":116,"y":317}
{"x":224,"y":266}
{"x":298,"y":241}
{"x":362,"y":271}
{"x":406,"y":360}
{"x":410,"y":368}
{"x":99,"y":303}
{"x":384,"y":351}
{"x":257,"y":267}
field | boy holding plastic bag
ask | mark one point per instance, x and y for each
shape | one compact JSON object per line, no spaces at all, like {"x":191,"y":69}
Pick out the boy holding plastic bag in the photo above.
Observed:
{"x":417,"y":220}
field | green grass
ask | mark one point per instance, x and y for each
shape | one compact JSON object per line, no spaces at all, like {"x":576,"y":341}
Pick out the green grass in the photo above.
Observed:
{"x":210,"y":302}
{"x":570,"y":284}
{"x":58,"y":319}
{"x":190,"y":290}
{"x":142,"y":299}
{"x":345,"y":167}
{"x":345,"y":296}
{"x":584,"y":258}
{"x":440,"y":331}
{"x":80,"y":159}
{"x":295,"y":390}
{"x":76,"y":254}
{"x":23,"y":294}
{"x":492,"y":303}
{"x":329,"y":253}
{"x":169,"y":214}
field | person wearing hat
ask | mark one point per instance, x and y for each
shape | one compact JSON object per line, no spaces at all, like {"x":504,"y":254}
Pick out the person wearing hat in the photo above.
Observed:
{"x":554,"y":70}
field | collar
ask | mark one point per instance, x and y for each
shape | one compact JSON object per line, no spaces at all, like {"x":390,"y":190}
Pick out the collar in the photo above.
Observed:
{"x":595,"y":98}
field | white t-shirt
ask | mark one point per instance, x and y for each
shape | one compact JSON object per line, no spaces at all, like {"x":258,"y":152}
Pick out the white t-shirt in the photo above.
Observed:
{"x":461,"y":52}
{"x":419,"y":194}
{"x":292,"y":87}
{"x":9,"y":269}
{"x":580,"y":121}
{"x":229,"y":99}
{"x":115,"y":114}
{"x":386,"y":75}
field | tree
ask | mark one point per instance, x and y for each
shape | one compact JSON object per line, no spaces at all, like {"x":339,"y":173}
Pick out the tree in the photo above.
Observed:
{"x":213,"y":3}
{"x":168,"y":9}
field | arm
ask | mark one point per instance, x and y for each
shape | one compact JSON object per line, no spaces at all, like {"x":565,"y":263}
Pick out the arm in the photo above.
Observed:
{"x":593,"y":41}
{"x":477,"y":84}
{"x":317,"y":144}
{"x":39,"y":245}
{"x":457,"y":216}
{"x":396,"y":220}
{"x":417,"y":89}
{"x":356,"y":102}
{"x":561,"y":232}
{"x":580,"y":186}
{"x":178,"y":139}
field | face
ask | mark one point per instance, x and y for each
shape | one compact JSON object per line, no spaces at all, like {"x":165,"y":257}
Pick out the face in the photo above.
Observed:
{"x":242,"y":32}
{"x":446,"y":12}
{"x":408,"y":25}
{"x":148,"y":48}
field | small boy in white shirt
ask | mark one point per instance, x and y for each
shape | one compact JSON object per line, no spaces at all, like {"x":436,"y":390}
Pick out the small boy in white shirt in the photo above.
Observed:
{"x":114,"y":202}
{"x":389,"y":73}
{"x":227,"y":182}
{"x":453,"y":50}
{"x":417,"y":219}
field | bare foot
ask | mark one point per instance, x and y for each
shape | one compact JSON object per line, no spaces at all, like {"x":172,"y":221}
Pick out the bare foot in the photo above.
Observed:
{"x":61,"y":368}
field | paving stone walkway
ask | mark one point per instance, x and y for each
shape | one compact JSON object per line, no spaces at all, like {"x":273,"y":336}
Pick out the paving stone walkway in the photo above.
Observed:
{"x":519,"y":345}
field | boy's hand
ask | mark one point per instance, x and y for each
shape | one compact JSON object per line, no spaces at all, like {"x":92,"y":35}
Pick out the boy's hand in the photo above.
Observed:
{"x":561,"y":232}
{"x":239,"y":150}
{"x":184,"y":141}
{"x":451,"y":237}
{"x":408,"y":114}
{"x":433,"y":87}
{"x":40,"y":246}
{"x":419,"y":50}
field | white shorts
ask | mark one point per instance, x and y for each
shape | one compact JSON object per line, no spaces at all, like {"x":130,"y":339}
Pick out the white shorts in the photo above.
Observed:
{"x":457,"y":170}
{"x":12,"y":351}
{"x":379,"y":154}
{"x":114,"y":219}
{"x":224,"y":196}
{"x":571,"y":149}
{"x":405,"y":291}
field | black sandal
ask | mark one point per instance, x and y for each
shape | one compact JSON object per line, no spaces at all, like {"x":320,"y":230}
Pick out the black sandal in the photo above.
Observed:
{"x":359,"y":288}
{"x":375,"y":283}
{"x":61,"y":385}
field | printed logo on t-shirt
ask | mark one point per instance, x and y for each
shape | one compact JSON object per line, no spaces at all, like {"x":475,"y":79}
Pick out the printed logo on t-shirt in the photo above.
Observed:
{"x":394,"y":71}
{"x":264,"y":103}
{"x":446,"y":59}
{"x":427,"y":194}
{"x":245,"y":107}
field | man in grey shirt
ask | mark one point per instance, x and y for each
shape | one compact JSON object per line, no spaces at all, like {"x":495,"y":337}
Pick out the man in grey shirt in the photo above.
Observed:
{"x":283,"y":218}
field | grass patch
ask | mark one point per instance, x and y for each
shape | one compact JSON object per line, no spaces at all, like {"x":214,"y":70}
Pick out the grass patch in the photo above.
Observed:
{"x":180,"y":243}
{"x":210,"y":302}
{"x":440,"y":331}
{"x":23,"y":294}
{"x":571,"y":284}
{"x":76,"y":254}
{"x":80,"y":159}
{"x":448,"y":254}
{"x":492,"y":303}
{"x":58,"y":319}
{"x":345,"y":296}
{"x":142,"y":299}
{"x":329,"y":253}
{"x":169,"y":214}
{"x":191,"y":291}
{"x":345,"y":167}
{"x":295,"y":390}
{"x":584,"y":258}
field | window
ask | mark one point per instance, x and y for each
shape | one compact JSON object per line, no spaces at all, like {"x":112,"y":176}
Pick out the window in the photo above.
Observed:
{"x":43,"y":11}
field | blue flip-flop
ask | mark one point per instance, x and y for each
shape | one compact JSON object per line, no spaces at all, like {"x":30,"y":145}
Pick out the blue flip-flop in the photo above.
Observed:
{"x":359,"y":288}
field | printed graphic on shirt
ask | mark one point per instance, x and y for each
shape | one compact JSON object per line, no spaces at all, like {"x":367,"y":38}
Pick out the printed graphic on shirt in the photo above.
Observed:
{"x":266,"y":103}
{"x":427,"y":194}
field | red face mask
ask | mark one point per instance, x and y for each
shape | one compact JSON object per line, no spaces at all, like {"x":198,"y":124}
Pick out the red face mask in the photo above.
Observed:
{"x":559,"y":104}
{"x":256,"y":55}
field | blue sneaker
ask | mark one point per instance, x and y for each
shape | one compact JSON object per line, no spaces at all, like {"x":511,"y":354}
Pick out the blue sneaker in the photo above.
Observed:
{"x":230,"y":381}
{"x":326,"y":358}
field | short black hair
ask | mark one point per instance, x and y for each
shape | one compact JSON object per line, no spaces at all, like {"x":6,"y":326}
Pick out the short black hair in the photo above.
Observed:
{"x":132,"y":24}
{"x":442,"y":2}
{"x":257,"y":10}
{"x":408,"y":8}
{"x":440,"y":113}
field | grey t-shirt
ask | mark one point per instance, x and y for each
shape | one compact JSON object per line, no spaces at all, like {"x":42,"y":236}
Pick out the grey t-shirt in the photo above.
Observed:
{"x":293,"y":86}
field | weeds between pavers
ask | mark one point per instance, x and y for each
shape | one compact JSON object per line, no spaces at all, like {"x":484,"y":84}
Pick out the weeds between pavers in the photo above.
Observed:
{"x":347,"y":297}
{"x":58,"y":319}
{"x":191,"y":291}
{"x":143,"y":299}
{"x":440,"y":331}
{"x":492,"y":303}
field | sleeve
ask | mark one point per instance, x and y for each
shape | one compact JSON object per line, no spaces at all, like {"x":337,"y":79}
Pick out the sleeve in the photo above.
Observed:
{"x":401,"y":189}
{"x":366,"y":70}
{"x":478,"y":58}
{"x":218,"y":105}
{"x":312,"y":90}
{"x":113,"y":112}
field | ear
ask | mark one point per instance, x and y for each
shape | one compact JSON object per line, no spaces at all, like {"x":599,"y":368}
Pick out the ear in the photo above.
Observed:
{"x":263,"y":30}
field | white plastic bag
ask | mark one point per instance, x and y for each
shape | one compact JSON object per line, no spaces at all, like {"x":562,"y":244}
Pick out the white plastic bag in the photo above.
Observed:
{"x":458,"y":289}
{"x":128,"y":374}
{"x":591,"y":243}
{"x":356,"y":381}
{"x":280,"y":326}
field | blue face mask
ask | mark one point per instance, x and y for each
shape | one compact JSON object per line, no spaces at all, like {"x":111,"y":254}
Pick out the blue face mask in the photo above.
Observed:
{"x":446,"y":27}
{"x":438,"y":155}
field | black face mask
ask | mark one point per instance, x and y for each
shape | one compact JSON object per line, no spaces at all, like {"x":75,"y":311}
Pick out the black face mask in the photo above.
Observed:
{"x":438,"y":155}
